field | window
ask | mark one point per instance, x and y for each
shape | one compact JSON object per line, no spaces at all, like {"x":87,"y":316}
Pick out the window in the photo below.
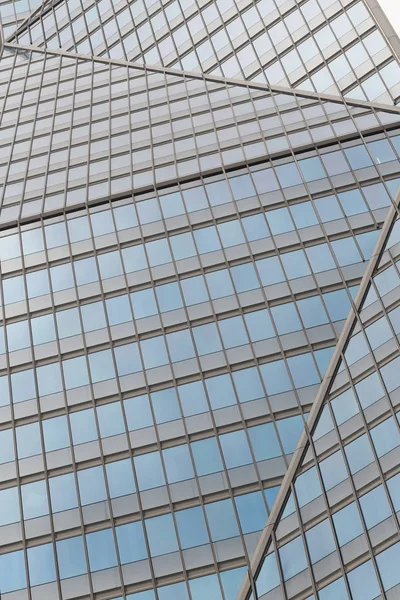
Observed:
{"x":207,"y":457}
{"x":131,"y":544}
{"x":248,"y":384}
{"x":375,"y":507}
{"x":275,"y":377}
{"x":333,"y":470}
{"x":161,"y":535}
{"x":268,"y":577}
{"x":191,"y":527}
{"x":12,"y":571}
{"x":28,"y":440}
{"x":235,"y":448}
{"x":61,"y":277}
{"x":363,"y":582}
{"x":110,"y":419}
{"x":388,"y":562}
{"x":120,"y":478}
{"x":193,"y":399}
{"x":93,"y":316}
{"x":9,"y":506}
{"x":91,"y":485}
{"x":180,"y":345}
{"x":22,"y":386}
{"x":207,"y":339}
{"x":359,"y":454}
{"x":264,"y":441}
{"x":138,"y":413}
{"x":220,"y":391}
{"x":320,"y":541}
{"x":178,"y":464}
{"x":75,"y":372}
{"x":83,"y":426}
{"x":358,"y":157}
{"x":252,"y":512}
{"x":205,"y":587}
{"x":307,"y":487}
{"x":127,"y":358}
{"x":63,"y":492}
{"x":109,"y":264}
{"x":293,"y":558}
{"x":221,"y":520}
{"x":385,"y":436}
{"x":149,"y":471}
{"x":41,"y":564}
{"x":334,"y":591}
{"x":154,"y":352}
{"x":165,"y":405}
{"x":101,"y":550}
{"x":55,"y":433}
{"x":71,"y":557}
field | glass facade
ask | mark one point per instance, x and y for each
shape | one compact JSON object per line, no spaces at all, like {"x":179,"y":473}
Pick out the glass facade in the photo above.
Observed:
{"x":188,"y":208}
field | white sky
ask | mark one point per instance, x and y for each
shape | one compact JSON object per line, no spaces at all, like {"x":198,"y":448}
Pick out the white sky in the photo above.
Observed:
{"x":392,"y":9}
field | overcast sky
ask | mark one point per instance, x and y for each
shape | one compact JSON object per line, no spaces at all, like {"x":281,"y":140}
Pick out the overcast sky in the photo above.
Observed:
{"x":392,"y":9}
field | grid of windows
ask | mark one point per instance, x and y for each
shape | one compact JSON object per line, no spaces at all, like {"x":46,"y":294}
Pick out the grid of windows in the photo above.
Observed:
{"x":179,"y":251}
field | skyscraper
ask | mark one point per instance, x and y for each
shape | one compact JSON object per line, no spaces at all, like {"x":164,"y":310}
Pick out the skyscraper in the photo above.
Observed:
{"x":195,"y":196}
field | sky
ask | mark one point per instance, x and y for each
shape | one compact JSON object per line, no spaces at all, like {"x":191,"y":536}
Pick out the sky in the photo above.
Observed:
{"x":392,"y":9}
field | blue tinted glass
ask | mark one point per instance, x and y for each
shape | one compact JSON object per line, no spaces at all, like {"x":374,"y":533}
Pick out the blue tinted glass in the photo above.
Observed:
{"x":101,"y":550}
{"x":334,"y":591}
{"x":191,"y":527}
{"x":220,"y":391}
{"x":131,"y":542}
{"x":158,"y":252}
{"x":118,"y":310}
{"x":102,"y":222}
{"x":338,"y":304}
{"x":233,"y":332}
{"x":248,"y":384}
{"x":394,"y":490}
{"x":154,"y":352}
{"x":388,"y":565}
{"x":303,"y":370}
{"x":193,"y":399}
{"x":312,"y":311}
{"x":320,"y":541}
{"x":293,"y":558}
{"x":231,"y":233}
{"x":232,"y":581}
{"x":13,"y":289}
{"x":127,"y":358}
{"x":207,"y":240}
{"x":120,"y":478}
{"x":304,"y":215}
{"x":101,"y":366}
{"x":18,"y":336}
{"x":252,"y":511}
{"x":176,"y":591}
{"x":83,"y":426}
{"x":207,"y":339}
{"x":75,"y":372}
{"x":68,"y":322}
{"x":110,"y":264}
{"x":320,"y":258}
{"x":148,"y":210}
{"x":207,"y":457}
{"x":61,"y":277}
{"x":286,"y":318}
{"x":63,"y":492}
{"x":86,"y":270}
{"x":290,"y":430}
{"x":288,"y":175}
{"x":307,"y":487}
{"x":352,"y":202}
{"x":264,"y":441}
{"x":71,"y":557}
{"x":328,"y":208}
{"x":218,"y":193}
{"x":268,"y":577}
{"x":195,"y":198}
{"x":275,"y":377}
{"x":43,"y":329}
{"x":78,"y":229}
{"x":161,"y":535}
{"x":363,"y":582}
{"x":168,"y":296}
{"x":358,"y":157}
{"x":205,"y":587}
{"x":125,"y":217}
{"x":385,"y":436}
{"x":110,"y":419}
{"x":41,"y":564}
{"x":38,"y":283}
{"x":375,"y":507}
{"x":180,"y":345}
{"x":34,"y":500}
{"x":134,"y":259}
{"x":178,"y":463}
{"x":194,"y":290}
{"x":56,"y":434}
{"x":9,"y":506}
{"x":333,"y":470}
{"x":91,"y":485}
{"x":138,"y":413}
{"x":221,"y":520}
{"x":255,"y":227}
{"x":23,"y":386}
{"x":28,"y":440}
{"x":242,"y":187}
{"x":219,"y":284}
{"x":265,"y":181}
{"x":165,"y":405}
{"x":312,"y":168}
{"x":381,"y":151}
{"x":235,"y":448}
{"x":93,"y":316}
{"x":149,"y":470}
{"x":346,"y":251}
{"x":244,"y":277}
{"x":172,"y":205}
{"x":347,"y":524}
{"x":359,"y":454}
{"x":270,"y":270}
{"x":12,"y":571}
{"x":279,"y":221}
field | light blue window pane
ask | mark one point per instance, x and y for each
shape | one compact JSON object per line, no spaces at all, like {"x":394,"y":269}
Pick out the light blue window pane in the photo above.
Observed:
{"x":320,"y":258}
{"x":28,"y":440}
{"x":304,"y":215}
{"x":381,"y":151}
{"x":78,"y":229}
{"x":352,"y":202}
{"x":363,"y":582}
{"x":9,"y":506}
{"x":242,"y":187}
{"x":206,"y":240}
{"x":333,"y":470}
{"x":178,"y":463}
{"x":307,"y":487}
{"x":134,"y":259}
{"x":252,"y":512}
{"x":63,"y":492}
{"x":388,"y":565}
{"x":12,"y":571}
{"x":127,"y":358}
{"x":207,"y":339}
{"x":101,"y":366}
{"x":125,"y":216}
{"x":248,"y":384}
{"x":286,"y":318}
{"x":118,"y":310}
{"x":68,"y":322}
{"x":41,"y":564}
{"x":13,"y":289}
{"x":71,"y":557}
{"x":172,"y":205}
{"x":101,"y":550}
{"x":83,"y":426}
{"x":34,"y":500}
{"x":265,"y":181}
{"x":328,"y":208}
{"x":176,"y":591}
{"x":288,"y":175}
{"x":148,"y":595}
{"x":195,"y":198}
{"x":295,"y":264}
{"x":270,"y":270}
{"x":205,"y":587}
{"x":55,"y":433}
{"x":220,"y":391}
{"x":193,"y":398}
{"x":233,"y":332}
{"x":207,"y":457}
{"x":268,"y":577}
{"x":323,"y":358}
{"x":4,"y":391}
{"x":91,"y":485}
{"x":165,"y":405}
{"x":18,"y":336}
{"x":358,"y":157}
{"x":38,"y":283}
{"x":390,"y":374}
{"x":93,"y":316}
{"x":356,"y":349}
{"x":43,"y":329}
{"x":338,"y":304}
{"x":334,"y":591}
{"x":346,"y":251}
{"x":255,"y":227}
{"x":49,"y":379}
{"x":180,"y":345}
{"x":23,"y":386}
{"x":369,"y":390}
{"x":144,"y":303}
{"x":264,"y":441}
{"x":244,"y":277}
{"x":231,"y":233}
{"x":394,"y":490}
{"x":235,"y":448}
{"x":218,"y":193}
{"x":149,"y":471}
{"x":312,"y":311}
{"x":303,"y":370}
{"x":102,"y":222}
{"x":367,"y":243}
{"x":194,"y":290}
{"x":110,"y":264}
{"x":348,"y":524}
{"x":161,"y":535}
{"x":312,"y":169}
{"x":219,"y":284}
{"x":75,"y":372}
{"x":169,"y":296}
{"x":110,"y":419}
{"x":275,"y":377}
{"x":131,"y":544}
{"x":289,"y":431}
{"x":148,"y":211}
{"x":120,"y":478}
{"x":293,"y":558}
{"x":320,"y":541}
{"x":138,"y":413}
{"x":279,"y":221}
{"x":375,"y":507}
{"x":192,"y":528}
{"x":154,"y":352}
{"x":344,"y":406}
{"x":221,"y":520}
{"x":359,"y":454}
{"x":232,"y":581}
{"x":183,"y":246}
{"x":385,"y":436}
{"x":62,"y":277}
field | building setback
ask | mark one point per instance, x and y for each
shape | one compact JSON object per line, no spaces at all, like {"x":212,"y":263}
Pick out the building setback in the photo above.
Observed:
{"x":198,"y":222}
